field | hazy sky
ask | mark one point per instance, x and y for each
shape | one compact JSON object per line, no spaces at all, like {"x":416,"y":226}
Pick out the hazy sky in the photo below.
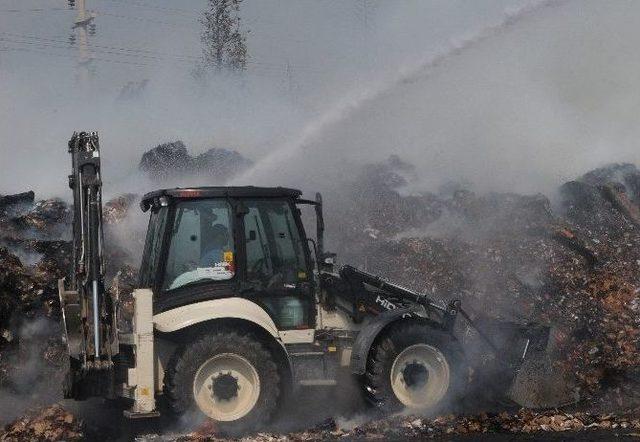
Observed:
{"x":320,"y":39}
{"x":330,"y":84}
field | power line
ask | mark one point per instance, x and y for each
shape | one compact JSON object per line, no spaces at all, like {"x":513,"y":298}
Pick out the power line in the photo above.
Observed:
{"x":149,"y":53}
{"x":261,"y":71}
{"x":151,"y":7}
{"x":33,"y":10}
{"x":154,"y":54}
{"x":107,"y":60}
{"x":147,"y":20}
{"x":128,"y":52}
{"x":57,"y":46}
{"x":259,"y":67}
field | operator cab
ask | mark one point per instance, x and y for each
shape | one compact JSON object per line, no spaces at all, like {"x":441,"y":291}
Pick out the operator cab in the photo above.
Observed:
{"x":219,"y":242}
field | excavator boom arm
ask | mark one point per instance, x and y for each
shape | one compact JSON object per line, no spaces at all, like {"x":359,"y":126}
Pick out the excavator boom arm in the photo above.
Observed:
{"x":88,"y":264}
{"x":88,"y":313}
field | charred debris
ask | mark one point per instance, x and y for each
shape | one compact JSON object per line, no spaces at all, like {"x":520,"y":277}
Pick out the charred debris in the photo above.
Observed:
{"x":572,"y":264}
{"x":172,"y":160}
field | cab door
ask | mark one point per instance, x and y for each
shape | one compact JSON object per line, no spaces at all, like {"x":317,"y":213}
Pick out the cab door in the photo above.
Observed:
{"x":277,"y":262}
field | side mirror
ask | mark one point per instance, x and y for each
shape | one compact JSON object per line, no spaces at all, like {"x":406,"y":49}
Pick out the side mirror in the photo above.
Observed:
{"x":252,"y":235}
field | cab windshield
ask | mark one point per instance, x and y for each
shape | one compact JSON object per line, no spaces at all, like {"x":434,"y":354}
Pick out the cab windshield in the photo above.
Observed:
{"x":201,"y":244}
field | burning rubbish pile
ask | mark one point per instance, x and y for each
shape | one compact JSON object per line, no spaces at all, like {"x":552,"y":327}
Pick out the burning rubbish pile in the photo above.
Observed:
{"x":51,"y":423}
{"x":34,"y":253}
{"x":172,"y":160}
{"x":573,"y":265}
{"x":32,"y":257}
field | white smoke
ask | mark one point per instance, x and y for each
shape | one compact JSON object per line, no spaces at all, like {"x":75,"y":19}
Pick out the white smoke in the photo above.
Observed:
{"x":522,"y":105}
{"x":31,"y":381}
{"x":343,"y":98}
{"x":366,"y":96}
{"x":508,"y":94}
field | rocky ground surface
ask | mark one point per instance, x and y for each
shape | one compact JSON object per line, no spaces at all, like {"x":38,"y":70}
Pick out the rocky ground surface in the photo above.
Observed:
{"x":571,"y":263}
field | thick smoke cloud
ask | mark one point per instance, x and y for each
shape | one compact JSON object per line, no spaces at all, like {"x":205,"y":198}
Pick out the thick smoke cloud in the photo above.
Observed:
{"x":506,"y":95}
{"x":548,"y":93}
{"x":306,"y":56}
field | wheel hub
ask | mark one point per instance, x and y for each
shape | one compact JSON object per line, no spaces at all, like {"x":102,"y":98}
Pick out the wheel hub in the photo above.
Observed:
{"x":225,"y":386}
{"x":420,"y":376}
{"x":415,"y":375}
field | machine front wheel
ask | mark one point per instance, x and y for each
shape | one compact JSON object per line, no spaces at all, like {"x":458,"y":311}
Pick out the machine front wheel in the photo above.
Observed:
{"x":415,"y":367}
{"x":229,"y":378}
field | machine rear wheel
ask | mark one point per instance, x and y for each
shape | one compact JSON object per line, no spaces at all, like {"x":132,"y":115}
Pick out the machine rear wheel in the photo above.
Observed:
{"x":226,"y":377}
{"x":415,"y":367}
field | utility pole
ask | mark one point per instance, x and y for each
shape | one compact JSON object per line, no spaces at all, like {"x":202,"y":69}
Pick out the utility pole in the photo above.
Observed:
{"x":84,"y":26}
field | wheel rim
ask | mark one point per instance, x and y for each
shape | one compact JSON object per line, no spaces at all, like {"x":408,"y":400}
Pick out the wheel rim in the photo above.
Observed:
{"x":420,"y":376}
{"x":226,"y":387}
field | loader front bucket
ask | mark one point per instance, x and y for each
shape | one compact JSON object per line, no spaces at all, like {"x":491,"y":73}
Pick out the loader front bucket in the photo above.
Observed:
{"x":538,"y":383}
{"x":515,"y":363}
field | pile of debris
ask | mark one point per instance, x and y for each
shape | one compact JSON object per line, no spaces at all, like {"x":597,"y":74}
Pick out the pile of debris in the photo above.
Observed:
{"x":573,"y":265}
{"x":172,"y":160}
{"x":51,"y":424}
{"x":34,"y":253}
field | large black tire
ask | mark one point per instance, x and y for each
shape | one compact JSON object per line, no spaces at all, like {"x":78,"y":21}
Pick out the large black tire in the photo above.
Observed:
{"x":186,"y":368}
{"x":441,"y":387}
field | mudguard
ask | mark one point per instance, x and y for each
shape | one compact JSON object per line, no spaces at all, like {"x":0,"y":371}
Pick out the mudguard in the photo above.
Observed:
{"x":239,"y":308}
{"x":368,"y":334}
{"x":227,"y":308}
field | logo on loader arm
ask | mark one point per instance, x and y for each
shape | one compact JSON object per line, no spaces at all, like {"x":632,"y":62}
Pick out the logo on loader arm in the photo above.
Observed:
{"x":385,"y":303}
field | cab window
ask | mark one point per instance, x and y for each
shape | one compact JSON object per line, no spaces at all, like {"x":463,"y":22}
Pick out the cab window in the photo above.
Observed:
{"x":201,"y":244}
{"x":273,"y":243}
{"x":152,"y":247}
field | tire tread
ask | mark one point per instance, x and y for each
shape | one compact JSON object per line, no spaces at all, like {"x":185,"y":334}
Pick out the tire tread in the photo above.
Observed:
{"x":184,"y":363}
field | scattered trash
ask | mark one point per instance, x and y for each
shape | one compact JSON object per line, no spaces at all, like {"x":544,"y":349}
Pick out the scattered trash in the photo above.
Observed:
{"x":53,"y":423}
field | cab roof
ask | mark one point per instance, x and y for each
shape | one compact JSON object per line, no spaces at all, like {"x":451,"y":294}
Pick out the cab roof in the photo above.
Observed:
{"x":222,"y":192}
